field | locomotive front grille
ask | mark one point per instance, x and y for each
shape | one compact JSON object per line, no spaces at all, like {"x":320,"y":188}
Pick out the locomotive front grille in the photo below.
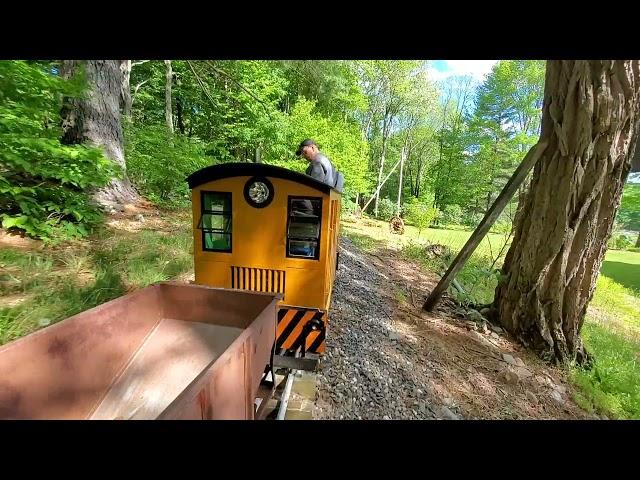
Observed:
{"x":258,"y":279}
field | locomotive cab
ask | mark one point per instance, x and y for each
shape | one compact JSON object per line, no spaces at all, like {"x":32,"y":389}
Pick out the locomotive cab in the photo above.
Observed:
{"x":264,"y":228}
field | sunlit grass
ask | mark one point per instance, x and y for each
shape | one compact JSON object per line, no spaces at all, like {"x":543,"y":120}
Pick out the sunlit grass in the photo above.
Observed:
{"x":59,"y":282}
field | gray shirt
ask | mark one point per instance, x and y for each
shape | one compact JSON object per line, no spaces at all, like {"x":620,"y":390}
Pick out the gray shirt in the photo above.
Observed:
{"x":322,"y":169}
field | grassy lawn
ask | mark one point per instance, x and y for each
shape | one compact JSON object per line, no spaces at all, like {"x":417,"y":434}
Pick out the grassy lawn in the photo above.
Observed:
{"x":612,"y":326}
{"x":623,"y":267}
{"x":478,"y":275}
{"x":455,"y":239}
{"x":612,"y":333}
{"x":41,"y":286}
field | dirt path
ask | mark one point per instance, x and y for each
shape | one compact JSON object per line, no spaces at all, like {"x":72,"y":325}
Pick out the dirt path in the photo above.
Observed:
{"x":386,"y":359}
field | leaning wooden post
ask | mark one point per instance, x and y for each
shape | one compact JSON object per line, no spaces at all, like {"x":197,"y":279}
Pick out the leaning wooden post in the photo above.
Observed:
{"x":381,"y":185}
{"x":489,"y":219}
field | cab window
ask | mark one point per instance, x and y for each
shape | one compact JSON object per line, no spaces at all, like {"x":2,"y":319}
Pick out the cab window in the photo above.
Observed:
{"x":303,"y":227}
{"x":215,"y":221}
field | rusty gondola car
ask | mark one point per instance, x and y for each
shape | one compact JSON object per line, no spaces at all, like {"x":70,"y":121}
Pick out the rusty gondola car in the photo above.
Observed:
{"x":167,"y":351}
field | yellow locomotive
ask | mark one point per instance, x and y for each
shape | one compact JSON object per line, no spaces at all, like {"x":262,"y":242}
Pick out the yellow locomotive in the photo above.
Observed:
{"x":269,"y":229}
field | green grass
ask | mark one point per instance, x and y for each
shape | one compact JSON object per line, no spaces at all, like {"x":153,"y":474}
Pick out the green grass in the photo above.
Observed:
{"x":623,"y":267}
{"x":478,"y":276}
{"x":612,"y":334}
{"x":612,"y":386}
{"x":612,"y":326}
{"x":455,"y":239}
{"x":59,"y":282}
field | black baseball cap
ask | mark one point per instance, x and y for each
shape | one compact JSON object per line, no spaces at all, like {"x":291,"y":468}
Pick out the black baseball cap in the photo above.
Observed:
{"x":305,"y":143}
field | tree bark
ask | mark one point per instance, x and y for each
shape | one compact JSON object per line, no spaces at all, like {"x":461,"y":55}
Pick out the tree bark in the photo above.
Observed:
{"x":638,"y":241}
{"x":168,"y":114}
{"x":125,"y":90}
{"x":179,"y":119}
{"x":381,"y":169}
{"x":402,"y":160}
{"x":96,"y":119}
{"x":549,"y":275}
{"x":635,"y":161}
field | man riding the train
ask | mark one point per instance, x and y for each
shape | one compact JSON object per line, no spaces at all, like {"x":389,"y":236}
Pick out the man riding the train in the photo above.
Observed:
{"x":320,"y":167}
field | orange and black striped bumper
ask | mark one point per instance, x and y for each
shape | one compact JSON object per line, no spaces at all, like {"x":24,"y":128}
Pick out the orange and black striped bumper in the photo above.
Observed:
{"x":298,"y":326}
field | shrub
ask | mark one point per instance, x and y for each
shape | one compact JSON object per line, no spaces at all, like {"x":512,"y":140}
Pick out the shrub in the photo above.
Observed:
{"x":386,"y":209}
{"x":620,"y":241}
{"x":452,"y":214}
{"x":419,"y":214}
{"x":158,"y":163}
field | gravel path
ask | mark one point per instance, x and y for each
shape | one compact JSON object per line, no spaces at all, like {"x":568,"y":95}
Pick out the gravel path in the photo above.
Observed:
{"x":371,"y":370}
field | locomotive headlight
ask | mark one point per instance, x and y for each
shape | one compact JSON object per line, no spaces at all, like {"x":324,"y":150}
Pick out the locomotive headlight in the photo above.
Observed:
{"x":258,"y":192}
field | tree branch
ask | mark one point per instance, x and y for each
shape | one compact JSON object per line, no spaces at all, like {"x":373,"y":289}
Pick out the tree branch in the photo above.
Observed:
{"x":225,"y":74}
{"x":137,"y":87}
{"x":204,"y":89}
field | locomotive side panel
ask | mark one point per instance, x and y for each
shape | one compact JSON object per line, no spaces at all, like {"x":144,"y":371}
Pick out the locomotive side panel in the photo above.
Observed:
{"x":258,"y":240}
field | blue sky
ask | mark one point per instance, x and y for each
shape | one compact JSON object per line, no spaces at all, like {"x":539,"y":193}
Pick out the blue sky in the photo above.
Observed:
{"x":442,"y":69}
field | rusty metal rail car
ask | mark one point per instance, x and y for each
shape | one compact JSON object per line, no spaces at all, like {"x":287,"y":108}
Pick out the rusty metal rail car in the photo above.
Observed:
{"x":167,"y":351}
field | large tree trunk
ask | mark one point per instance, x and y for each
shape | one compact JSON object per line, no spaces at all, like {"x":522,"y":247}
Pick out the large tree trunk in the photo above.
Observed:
{"x":95,"y":119}
{"x":549,"y":275}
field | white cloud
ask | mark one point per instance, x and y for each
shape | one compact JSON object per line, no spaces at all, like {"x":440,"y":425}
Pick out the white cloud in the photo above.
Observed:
{"x":476,"y":68}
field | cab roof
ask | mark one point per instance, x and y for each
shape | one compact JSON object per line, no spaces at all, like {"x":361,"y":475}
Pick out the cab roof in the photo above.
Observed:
{"x":243,"y":169}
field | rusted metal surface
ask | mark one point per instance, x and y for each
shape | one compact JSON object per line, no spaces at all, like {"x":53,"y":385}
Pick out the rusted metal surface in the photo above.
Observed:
{"x":167,"y":351}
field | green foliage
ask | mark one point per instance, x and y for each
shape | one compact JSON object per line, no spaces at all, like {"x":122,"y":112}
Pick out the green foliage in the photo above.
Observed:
{"x":44,"y":185}
{"x":629,"y":213}
{"x":452,"y":214}
{"x":386,"y":209}
{"x":419,"y":214}
{"x":471,"y":219}
{"x":620,"y":241}
{"x":347,"y":206}
{"x":333,"y":84}
{"x":496,"y":137}
{"x":339,"y":140}
{"x":233,"y":105}
{"x":158,"y":162}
